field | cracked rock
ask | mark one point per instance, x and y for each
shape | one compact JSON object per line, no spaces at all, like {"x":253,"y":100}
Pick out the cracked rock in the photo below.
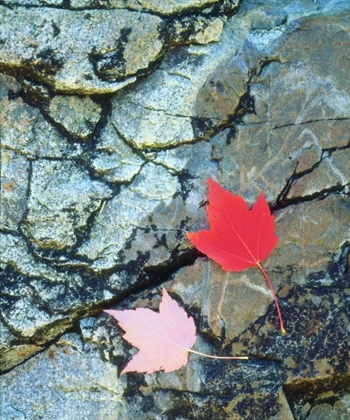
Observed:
{"x":100,"y":185}
{"x":151,"y":191}
{"x":91,"y":369}
{"x":14,"y":188}
{"x":23,"y":128}
{"x":105,"y":55}
{"x":148,"y":117}
{"x":16,"y":254}
{"x":113,"y":158}
{"x":220,"y":95}
{"x":78,"y":115}
{"x":165,"y":8}
{"x":145,"y":127}
{"x":299,"y":113}
{"x":333,"y":171}
{"x":170,"y":7}
{"x":83,"y":52}
{"x":62,"y":198}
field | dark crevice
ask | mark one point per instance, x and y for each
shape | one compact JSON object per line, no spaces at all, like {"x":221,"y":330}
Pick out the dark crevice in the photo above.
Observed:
{"x":28,"y":192}
{"x":144,"y":278}
{"x":66,"y":6}
{"x":338,"y":272}
{"x":318,"y":195}
{"x":153,"y":277}
{"x":303,"y":391}
{"x":80,"y":232}
{"x":276,"y":127}
{"x":105,"y":101}
{"x":72,"y":328}
{"x":282,"y":201}
{"x":216,"y":10}
{"x":282,"y":196}
{"x":33,"y":97}
{"x":265,"y":63}
{"x":34,"y":157}
{"x":204,"y":128}
{"x":39,"y":96}
{"x":106,"y":63}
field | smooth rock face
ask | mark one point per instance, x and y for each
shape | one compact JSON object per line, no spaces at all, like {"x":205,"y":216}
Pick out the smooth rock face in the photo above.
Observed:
{"x":301,"y":115}
{"x":112,"y":117}
{"x":213,"y":293}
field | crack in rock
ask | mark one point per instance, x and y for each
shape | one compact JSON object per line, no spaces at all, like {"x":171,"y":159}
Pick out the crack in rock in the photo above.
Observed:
{"x":61,"y":200}
{"x":100,"y":189}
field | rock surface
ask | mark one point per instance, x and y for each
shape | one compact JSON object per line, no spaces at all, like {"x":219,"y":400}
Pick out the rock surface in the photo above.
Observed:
{"x":61,"y":200}
{"x":112,"y":117}
{"x":78,"y":116}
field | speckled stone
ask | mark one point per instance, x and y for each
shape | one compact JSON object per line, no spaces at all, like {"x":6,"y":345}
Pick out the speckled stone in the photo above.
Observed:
{"x":14,"y":188}
{"x":78,"y":115}
{"x":24,"y":129}
{"x":112,"y":117}
{"x":114,"y":159}
{"x":84,"y":52}
{"x":61,"y":200}
{"x":152,"y":189}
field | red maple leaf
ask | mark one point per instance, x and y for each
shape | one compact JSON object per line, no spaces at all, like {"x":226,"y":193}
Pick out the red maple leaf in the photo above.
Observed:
{"x":238,"y":237}
{"x":164,"y":339}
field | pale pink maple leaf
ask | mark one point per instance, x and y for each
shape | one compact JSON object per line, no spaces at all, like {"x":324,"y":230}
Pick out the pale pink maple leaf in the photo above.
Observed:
{"x":163,"y":339}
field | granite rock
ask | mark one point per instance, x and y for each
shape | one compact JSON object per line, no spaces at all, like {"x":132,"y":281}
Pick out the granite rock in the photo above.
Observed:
{"x":340,"y":410}
{"x":152,"y":189}
{"x":112,"y":117}
{"x":166,"y":8}
{"x":84,"y":52}
{"x":14,"y":188}
{"x":107,"y":52}
{"x":62,"y":198}
{"x":113,"y":158}
{"x":156,"y":120}
{"x":24,"y":129}
{"x":77,"y":115}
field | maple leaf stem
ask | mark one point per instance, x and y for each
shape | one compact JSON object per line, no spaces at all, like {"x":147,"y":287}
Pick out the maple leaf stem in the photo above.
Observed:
{"x":274,"y":297}
{"x":219,"y":357}
{"x":208,"y":355}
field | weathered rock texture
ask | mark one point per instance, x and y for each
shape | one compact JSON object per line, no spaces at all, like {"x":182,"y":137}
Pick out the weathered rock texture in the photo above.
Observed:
{"x":112,"y":117}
